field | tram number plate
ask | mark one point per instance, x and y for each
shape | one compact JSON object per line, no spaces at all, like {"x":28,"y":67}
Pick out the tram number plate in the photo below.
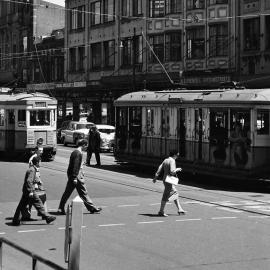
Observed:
{"x":40,"y":104}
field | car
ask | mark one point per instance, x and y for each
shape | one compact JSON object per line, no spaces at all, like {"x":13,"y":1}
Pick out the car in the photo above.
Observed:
{"x":63,"y":126}
{"x":107,"y":135}
{"x":75,"y":131}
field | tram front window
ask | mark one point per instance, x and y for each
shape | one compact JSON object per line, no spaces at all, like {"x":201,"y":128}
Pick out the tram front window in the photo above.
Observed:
{"x":40,"y":118}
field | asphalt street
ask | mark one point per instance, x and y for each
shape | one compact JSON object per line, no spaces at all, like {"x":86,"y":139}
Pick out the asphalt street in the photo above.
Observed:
{"x":224,"y":228}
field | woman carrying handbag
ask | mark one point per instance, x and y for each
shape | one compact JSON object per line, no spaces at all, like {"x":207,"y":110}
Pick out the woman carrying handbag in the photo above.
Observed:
{"x":169,"y":170}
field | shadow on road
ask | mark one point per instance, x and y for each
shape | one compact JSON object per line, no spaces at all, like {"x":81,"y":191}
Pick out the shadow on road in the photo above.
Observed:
{"x":199,"y":181}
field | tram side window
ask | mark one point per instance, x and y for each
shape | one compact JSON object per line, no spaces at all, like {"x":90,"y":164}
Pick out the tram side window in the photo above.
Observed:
{"x":263,"y":122}
{"x":11,"y":117}
{"x":21,"y":118}
{"x":121,"y":122}
{"x":150,"y":122}
{"x":165,"y":120}
{"x":241,"y":118}
{"x":2,"y":117}
{"x":135,"y":120}
{"x":40,"y":118}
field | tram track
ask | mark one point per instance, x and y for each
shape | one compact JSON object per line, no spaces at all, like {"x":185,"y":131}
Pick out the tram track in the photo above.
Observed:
{"x":203,"y":201}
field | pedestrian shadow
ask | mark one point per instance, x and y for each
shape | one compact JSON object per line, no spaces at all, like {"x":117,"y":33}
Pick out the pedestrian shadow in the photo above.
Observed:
{"x":149,"y":215}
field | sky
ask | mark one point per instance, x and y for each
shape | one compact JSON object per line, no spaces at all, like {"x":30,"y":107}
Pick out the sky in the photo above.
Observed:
{"x":58,"y":2}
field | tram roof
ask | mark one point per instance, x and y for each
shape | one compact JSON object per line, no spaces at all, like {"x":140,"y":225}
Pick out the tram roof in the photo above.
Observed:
{"x":24,"y":96}
{"x":196,"y":96}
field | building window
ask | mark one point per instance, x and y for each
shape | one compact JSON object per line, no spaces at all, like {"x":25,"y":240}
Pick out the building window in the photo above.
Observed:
{"x":173,"y":6}
{"x":267,"y":33}
{"x":137,"y":7}
{"x":126,"y":8}
{"x":109,"y":53}
{"x":109,"y":11}
{"x":252,"y":34}
{"x":216,"y":2}
{"x":195,"y":4}
{"x":195,"y":43}
{"x":72,"y":59}
{"x":95,"y":13}
{"x":96,"y":55}
{"x":73,"y":19}
{"x":218,"y":40}
{"x":81,"y":53}
{"x":157,"y":44}
{"x":81,"y":16}
{"x":157,"y":8}
{"x":173,"y":47}
{"x":127,"y":52}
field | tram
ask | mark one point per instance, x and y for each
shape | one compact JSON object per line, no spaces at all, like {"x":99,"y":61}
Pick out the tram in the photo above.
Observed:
{"x":222,"y":132}
{"x":27,"y":120}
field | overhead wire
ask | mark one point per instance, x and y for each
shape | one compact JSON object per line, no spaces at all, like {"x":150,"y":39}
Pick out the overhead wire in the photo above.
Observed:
{"x":55,"y":6}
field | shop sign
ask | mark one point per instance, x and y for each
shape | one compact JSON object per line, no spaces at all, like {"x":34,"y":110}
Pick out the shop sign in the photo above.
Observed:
{"x":205,"y":80}
{"x":71,"y":85}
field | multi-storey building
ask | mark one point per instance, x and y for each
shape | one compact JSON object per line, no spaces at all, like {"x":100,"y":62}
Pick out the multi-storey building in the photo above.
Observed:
{"x":119,"y":46}
{"x":22,"y":22}
{"x":48,"y":59}
{"x":254,"y":56}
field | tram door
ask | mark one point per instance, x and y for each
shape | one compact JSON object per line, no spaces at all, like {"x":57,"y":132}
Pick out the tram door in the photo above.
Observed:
{"x":181,"y":131}
{"x":198,"y":136}
{"x":10,"y":135}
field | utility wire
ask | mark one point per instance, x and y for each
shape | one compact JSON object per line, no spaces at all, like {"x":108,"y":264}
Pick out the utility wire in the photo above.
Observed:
{"x":142,"y":17}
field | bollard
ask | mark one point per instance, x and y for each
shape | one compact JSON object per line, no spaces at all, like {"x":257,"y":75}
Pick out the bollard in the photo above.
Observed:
{"x":74,"y":222}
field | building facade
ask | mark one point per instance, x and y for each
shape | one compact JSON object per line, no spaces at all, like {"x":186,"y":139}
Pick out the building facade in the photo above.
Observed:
{"x":21,"y":24}
{"x":112,"y":47}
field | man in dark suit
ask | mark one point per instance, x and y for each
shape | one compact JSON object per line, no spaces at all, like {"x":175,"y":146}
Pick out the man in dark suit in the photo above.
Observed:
{"x":93,"y":145}
{"x":30,"y":196}
{"x":76,"y":180}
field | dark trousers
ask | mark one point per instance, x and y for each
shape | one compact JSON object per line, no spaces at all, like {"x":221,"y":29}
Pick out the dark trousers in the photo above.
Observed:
{"x":89,"y":155}
{"x":25,"y":200}
{"x":82,"y":191}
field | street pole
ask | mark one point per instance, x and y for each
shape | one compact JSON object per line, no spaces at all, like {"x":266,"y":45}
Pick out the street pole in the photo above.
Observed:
{"x":134,"y":60}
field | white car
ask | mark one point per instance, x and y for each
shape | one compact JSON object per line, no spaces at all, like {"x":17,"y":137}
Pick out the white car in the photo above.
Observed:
{"x":75,"y":131}
{"x":107,"y":135}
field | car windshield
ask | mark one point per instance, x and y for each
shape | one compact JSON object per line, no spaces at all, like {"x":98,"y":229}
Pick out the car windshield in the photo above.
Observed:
{"x":82,"y":126}
{"x":106,"y":130}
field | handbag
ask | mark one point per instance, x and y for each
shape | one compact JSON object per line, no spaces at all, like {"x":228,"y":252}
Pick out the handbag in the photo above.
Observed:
{"x":171,"y":180}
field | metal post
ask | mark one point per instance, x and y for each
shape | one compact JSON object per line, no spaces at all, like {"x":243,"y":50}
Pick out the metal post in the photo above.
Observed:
{"x":76,"y":231}
{"x":134,"y":59}
{"x":1,"y":254}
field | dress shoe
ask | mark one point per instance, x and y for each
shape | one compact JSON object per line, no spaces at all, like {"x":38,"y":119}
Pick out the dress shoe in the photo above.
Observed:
{"x":182,"y":212}
{"x":97,"y":165}
{"x":61,"y":212}
{"x":95,"y":210}
{"x":162,"y":214}
{"x":50,"y":219}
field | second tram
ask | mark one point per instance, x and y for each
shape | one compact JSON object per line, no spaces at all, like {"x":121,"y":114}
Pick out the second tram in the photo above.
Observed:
{"x":218,"y":132}
{"x":27,"y":119}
